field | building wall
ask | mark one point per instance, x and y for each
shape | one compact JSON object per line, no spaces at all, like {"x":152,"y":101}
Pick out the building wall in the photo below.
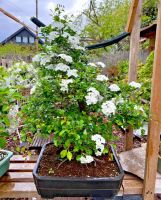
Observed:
{"x":23,"y":35}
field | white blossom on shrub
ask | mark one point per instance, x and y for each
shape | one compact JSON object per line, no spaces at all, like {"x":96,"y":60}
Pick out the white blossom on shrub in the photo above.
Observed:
{"x":100,"y":142}
{"x":108,"y":108}
{"x":53,"y":35}
{"x":62,"y":67}
{"x":45,"y":59}
{"x":86,"y":159}
{"x":136,"y":107}
{"x":64,"y":84}
{"x":92,"y":64}
{"x":93,"y":96}
{"x":72,"y":72}
{"x":114,"y":88}
{"x":135,"y":84}
{"x":51,"y":66}
{"x":58,"y":25}
{"x":101,"y":64}
{"x":37,"y":58}
{"x":66,"y":58}
{"x":102,"y":78}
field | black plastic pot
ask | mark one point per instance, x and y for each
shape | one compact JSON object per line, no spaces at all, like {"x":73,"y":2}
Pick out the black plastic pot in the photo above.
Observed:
{"x":50,"y":187}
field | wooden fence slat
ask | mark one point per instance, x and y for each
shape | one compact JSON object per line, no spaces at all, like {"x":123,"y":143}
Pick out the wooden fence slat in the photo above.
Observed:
{"x":21,"y":167}
{"x":17,"y":177}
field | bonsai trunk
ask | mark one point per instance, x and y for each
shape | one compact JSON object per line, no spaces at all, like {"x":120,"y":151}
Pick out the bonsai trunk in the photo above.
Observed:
{"x":129,"y":138}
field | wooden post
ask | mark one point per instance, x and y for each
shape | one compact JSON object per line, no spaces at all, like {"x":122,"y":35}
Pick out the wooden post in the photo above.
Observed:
{"x":36,"y":41}
{"x":133,"y":57}
{"x":129,"y":139}
{"x":155,"y":120}
{"x":134,"y":44}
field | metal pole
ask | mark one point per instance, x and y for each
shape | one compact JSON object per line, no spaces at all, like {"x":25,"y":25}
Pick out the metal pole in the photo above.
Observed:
{"x":36,"y":41}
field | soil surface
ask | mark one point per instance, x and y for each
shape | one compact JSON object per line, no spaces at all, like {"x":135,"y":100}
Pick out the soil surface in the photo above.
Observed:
{"x":51,"y":165}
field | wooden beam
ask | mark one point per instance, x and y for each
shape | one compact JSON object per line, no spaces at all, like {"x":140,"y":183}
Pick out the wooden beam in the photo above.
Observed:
{"x":131,"y":17}
{"x":134,"y":45}
{"x":16,"y":19}
{"x":155,"y":119}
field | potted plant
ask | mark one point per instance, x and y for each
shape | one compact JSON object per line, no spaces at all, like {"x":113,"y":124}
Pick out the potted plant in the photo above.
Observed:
{"x":8,"y":96}
{"x":159,"y":160}
{"x":73,"y":100}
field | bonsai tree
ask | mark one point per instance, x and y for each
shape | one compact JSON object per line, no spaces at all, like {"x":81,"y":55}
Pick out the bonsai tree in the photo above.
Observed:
{"x":73,"y":100}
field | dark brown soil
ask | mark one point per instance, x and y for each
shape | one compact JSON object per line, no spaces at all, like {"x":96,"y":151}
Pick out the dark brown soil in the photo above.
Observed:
{"x":51,"y":165}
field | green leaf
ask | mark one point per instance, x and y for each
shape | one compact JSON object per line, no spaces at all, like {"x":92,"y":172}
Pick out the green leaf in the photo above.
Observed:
{"x":69,"y":155}
{"x":5,"y":108}
{"x":2,"y":142}
{"x":63,"y":153}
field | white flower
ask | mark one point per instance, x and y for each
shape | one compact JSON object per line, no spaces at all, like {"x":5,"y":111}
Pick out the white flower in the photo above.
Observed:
{"x":37,"y":58}
{"x":72,"y":72}
{"x":100,"y":149}
{"x":86,"y":159}
{"x":108,"y":108}
{"x":33,"y":89}
{"x":139,"y":108}
{"x":45,"y":59}
{"x":58,"y":25}
{"x":102,"y":78}
{"x":100,"y":142}
{"x":101,"y":64}
{"x":66,"y":58}
{"x":135,"y":85}
{"x":98,"y":139}
{"x":120,"y":101}
{"x":64,"y":84}
{"x":62,"y":67}
{"x":51,"y":66}
{"x":114,"y":88}
{"x":93,"y":96}
{"x":92,"y":64}
{"x":52,"y":36}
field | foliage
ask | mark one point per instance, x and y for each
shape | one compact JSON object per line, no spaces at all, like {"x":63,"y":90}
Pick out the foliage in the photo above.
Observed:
{"x":22,"y":75}
{"x":8,"y":96}
{"x":16,"y":50}
{"x":73,"y":100}
{"x":145,"y":76}
{"x":149,"y":12}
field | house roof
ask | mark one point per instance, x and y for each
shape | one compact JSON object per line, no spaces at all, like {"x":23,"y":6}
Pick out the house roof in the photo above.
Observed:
{"x":19,"y":31}
{"x":149,"y":31}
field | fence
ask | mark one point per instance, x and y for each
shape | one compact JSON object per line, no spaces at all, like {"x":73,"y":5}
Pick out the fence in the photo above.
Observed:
{"x":9,"y":60}
{"x":114,"y":58}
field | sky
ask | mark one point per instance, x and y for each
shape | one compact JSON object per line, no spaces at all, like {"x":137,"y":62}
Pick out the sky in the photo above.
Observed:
{"x":24,"y":9}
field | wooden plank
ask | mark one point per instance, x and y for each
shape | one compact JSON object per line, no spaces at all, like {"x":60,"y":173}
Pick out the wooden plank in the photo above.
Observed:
{"x":18,"y":190}
{"x":17,"y":177}
{"x":133,"y":186}
{"x":21,"y":159}
{"x":21,"y":167}
{"x":155,"y":121}
{"x":131,"y":17}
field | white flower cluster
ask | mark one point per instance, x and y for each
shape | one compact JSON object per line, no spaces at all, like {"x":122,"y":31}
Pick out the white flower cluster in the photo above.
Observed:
{"x":64,"y":84}
{"x":86,"y":159}
{"x":102,"y":78}
{"x":72,"y":72}
{"x":66,"y":58}
{"x":62,"y":67}
{"x":139,"y":108}
{"x":100,"y":144}
{"x":114,"y":88}
{"x":14,"y":121}
{"x":135,"y":84}
{"x":58,"y":25}
{"x":93,"y":96}
{"x":92,"y":64}
{"x":53,"y":35}
{"x":108,"y":108}
{"x":100,"y":64}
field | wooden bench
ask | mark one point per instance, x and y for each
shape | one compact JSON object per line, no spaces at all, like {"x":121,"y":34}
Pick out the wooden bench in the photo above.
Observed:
{"x":18,"y":182}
